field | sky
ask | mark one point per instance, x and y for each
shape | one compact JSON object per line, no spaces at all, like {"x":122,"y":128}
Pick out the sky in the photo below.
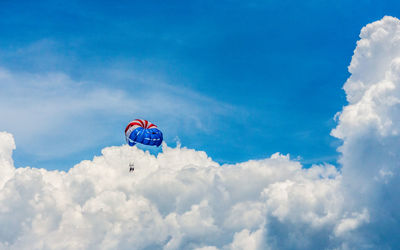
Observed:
{"x":281,"y":125}
{"x":238,"y":80}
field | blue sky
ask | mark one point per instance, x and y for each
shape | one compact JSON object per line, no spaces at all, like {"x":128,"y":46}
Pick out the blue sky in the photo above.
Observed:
{"x":260,"y":76}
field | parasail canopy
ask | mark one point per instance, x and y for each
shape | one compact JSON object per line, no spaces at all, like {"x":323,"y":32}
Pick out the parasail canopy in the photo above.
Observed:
{"x":143,"y":132}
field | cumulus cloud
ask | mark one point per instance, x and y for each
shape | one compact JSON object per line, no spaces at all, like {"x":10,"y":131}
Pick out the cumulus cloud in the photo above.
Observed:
{"x":369,"y":127}
{"x":182,"y":199}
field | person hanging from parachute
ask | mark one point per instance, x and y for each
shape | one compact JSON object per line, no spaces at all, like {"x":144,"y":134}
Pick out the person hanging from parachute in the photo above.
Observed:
{"x":143,"y":132}
{"x":131,"y":167}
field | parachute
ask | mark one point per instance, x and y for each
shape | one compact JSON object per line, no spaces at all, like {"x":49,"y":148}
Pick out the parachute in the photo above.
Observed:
{"x":143,"y":132}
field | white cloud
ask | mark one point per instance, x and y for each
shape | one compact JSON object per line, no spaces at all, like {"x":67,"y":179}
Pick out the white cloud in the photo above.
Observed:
{"x":7,"y":145}
{"x":369,"y":127}
{"x":182,"y":199}
{"x":348,"y":224}
{"x":247,"y":240}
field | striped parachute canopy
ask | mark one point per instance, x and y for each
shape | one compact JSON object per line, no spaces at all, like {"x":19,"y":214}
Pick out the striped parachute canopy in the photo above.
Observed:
{"x":144,"y":132}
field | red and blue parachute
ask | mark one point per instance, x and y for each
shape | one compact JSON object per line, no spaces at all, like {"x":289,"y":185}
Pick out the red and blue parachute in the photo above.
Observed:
{"x":144,"y":132}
